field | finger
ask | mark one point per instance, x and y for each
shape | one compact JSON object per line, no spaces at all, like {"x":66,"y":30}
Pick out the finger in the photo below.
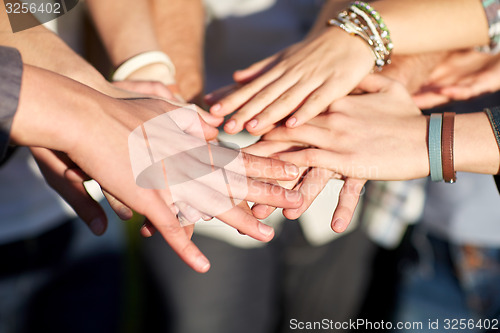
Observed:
{"x":191,"y":122}
{"x":313,"y":183}
{"x":211,"y":120}
{"x":247,"y":224}
{"x":189,"y":230}
{"x":190,"y":214}
{"x":147,"y":229}
{"x":315,"y":103}
{"x":348,"y":200}
{"x":285,"y":104}
{"x":85,"y":207}
{"x":374,"y":83}
{"x":220,"y":93}
{"x":459,"y":92}
{"x":267,"y":148}
{"x":74,"y":193}
{"x":427,"y":100}
{"x":123,"y":212}
{"x":255,"y":70}
{"x":234,"y":101}
{"x":264,"y":130}
{"x":313,"y":157}
{"x":76,"y":175}
{"x":268,"y":168}
{"x":306,"y":134}
{"x":259,"y":102}
{"x":261,"y":211}
{"x":171,"y":230}
{"x":319,"y":100}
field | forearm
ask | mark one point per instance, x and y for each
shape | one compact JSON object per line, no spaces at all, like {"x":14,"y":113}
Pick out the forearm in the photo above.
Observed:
{"x":425,"y":25}
{"x":428,"y":25}
{"x":42,"y":48}
{"x":52,"y":117}
{"x":179,"y":25}
{"x":125,"y":27}
{"x":476,"y":149}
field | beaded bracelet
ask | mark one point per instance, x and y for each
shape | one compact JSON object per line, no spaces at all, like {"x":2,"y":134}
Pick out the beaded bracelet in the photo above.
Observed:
{"x":362,"y":20}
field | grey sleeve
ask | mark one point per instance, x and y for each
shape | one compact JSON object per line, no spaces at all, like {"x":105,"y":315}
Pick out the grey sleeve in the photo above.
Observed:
{"x":11,"y":70}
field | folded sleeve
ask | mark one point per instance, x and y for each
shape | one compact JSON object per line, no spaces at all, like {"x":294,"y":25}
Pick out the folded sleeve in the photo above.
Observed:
{"x":11,"y":70}
{"x":492,"y":10}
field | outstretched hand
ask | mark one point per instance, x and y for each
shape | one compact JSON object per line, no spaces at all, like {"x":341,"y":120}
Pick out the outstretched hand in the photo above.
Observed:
{"x":94,"y":132}
{"x":303,"y":80}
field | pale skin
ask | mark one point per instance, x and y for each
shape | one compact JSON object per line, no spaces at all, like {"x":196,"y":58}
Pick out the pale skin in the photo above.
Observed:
{"x":461,"y":75}
{"x":180,"y":27}
{"x":123,"y":39}
{"x":307,"y":76}
{"x":42,"y":120}
{"x":365,"y":137}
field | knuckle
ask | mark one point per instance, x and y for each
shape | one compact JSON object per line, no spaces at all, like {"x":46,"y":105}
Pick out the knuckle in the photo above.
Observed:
{"x":311,"y":156}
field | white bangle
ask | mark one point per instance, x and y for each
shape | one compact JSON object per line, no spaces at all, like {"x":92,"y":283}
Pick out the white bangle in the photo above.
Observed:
{"x":141,"y":60}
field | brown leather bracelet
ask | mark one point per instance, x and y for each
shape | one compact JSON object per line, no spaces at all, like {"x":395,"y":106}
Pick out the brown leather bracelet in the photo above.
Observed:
{"x":447,"y":139}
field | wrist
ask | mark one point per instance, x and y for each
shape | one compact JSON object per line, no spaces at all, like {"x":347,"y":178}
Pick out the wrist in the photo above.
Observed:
{"x":55,"y":117}
{"x":475,"y":145}
{"x":352,"y":45}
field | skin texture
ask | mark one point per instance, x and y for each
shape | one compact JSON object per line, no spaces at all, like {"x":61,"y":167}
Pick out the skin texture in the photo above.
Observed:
{"x":364,"y":137}
{"x":307,"y":76}
{"x":94,"y":136}
{"x":461,"y":75}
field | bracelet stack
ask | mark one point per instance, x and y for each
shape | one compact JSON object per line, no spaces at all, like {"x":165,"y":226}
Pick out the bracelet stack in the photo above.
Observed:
{"x":362,"y":20}
{"x":440,"y":141}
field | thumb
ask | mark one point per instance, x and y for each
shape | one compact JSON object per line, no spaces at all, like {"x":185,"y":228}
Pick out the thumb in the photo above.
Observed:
{"x":374,"y":83}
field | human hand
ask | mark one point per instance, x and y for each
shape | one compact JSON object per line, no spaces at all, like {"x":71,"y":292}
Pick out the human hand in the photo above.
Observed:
{"x":460,"y":76}
{"x":67,"y":179}
{"x":310,"y":184}
{"x":169,"y":92}
{"x":95,"y":136}
{"x":304,"y":78}
{"x":364,"y":136}
{"x":413,"y":70}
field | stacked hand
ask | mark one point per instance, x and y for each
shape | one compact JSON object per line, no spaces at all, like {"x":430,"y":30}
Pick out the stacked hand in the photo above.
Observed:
{"x":93,"y":133}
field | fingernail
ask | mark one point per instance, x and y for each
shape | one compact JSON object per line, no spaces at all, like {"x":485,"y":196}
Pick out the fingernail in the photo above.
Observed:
{"x":253,"y":123}
{"x":202,"y":264}
{"x":215,"y":107}
{"x":230,"y":125}
{"x":97,"y":226}
{"x":291,"y":170}
{"x":125,"y":213}
{"x":339,"y":224}
{"x":265,"y":229}
{"x":208,"y":96}
{"x":293,"y":195}
{"x":291,"y":122}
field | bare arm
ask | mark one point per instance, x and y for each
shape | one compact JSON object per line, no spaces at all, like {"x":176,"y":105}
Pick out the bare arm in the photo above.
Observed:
{"x":180,"y":26}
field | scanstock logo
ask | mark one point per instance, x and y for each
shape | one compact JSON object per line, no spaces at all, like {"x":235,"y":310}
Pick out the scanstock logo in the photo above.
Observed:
{"x":30,"y":13}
